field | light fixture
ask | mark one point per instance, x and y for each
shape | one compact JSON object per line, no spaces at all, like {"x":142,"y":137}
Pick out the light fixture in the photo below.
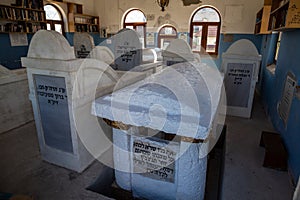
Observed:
{"x":163,"y":4}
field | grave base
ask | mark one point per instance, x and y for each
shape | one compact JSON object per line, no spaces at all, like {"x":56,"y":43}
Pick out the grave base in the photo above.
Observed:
{"x":214,"y":179}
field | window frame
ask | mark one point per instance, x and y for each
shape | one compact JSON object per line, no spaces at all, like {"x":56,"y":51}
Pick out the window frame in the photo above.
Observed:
{"x":135,"y":24}
{"x":277,"y":47}
{"x":53,"y":22}
{"x":204,"y":36}
{"x":160,"y":36}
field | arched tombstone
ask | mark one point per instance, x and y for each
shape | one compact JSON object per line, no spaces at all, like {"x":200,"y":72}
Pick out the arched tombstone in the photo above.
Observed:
{"x":240,"y":64}
{"x":178,"y":51}
{"x":127,"y":50}
{"x":83,"y":45}
{"x":104,"y":54}
{"x":61,"y":91}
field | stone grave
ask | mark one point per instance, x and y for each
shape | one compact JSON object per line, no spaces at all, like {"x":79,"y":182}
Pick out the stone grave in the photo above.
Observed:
{"x":61,"y":90}
{"x":83,"y":45}
{"x":104,"y":54}
{"x":178,"y":51}
{"x":127,"y":50}
{"x":240,"y":64}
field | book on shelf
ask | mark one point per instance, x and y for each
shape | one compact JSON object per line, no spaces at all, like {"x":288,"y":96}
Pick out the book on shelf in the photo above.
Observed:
{"x":19,"y":3}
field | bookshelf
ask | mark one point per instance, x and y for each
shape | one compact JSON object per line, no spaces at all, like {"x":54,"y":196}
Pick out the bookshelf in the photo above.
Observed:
{"x":284,"y":15}
{"x":23,"y":16}
{"x":262,"y":20}
{"x":79,"y":22}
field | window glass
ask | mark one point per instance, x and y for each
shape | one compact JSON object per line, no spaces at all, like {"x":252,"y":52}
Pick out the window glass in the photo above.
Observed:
{"x":52,"y":13}
{"x":54,"y":19}
{"x":277,"y":46}
{"x":58,"y":28}
{"x":168,"y":31}
{"x":135,"y":16}
{"x":211,"y":38}
{"x":165,"y":35}
{"x":205,"y":30}
{"x":197,"y":38}
{"x":206,"y":15}
{"x":136,"y":20}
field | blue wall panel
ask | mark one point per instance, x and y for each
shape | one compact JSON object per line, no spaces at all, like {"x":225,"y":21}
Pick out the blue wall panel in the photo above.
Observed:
{"x":272,"y":87}
{"x":224,"y":45}
{"x":10,"y":57}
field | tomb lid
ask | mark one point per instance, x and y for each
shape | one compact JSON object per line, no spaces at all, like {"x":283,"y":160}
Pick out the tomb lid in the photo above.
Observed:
{"x":50,"y":45}
{"x":244,"y":48}
{"x":182,"y":99}
{"x":179,"y":48}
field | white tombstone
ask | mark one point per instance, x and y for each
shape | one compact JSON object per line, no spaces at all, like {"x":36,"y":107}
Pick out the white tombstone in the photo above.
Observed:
{"x":15,"y":109}
{"x":83,"y":44}
{"x":103,"y":53}
{"x":136,"y":150}
{"x":149,"y":55}
{"x":240,"y":65}
{"x":178,"y":51}
{"x":61,"y":91}
{"x":128,"y":50}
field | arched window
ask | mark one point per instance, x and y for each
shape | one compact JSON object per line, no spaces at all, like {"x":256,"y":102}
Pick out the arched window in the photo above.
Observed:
{"x":165,"y":35}
{"x":205,"y":30}
{"x":136,"y":20}
{"x":54,"y":19}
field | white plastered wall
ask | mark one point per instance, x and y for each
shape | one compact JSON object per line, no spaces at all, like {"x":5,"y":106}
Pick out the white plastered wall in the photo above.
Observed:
{"x":238,"y":16}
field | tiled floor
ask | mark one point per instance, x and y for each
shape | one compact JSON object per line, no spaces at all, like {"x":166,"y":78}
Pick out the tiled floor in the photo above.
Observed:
{"x":23,"y":171}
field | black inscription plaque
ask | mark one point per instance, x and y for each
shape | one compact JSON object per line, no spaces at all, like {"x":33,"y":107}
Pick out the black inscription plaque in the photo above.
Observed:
{"x":52,"y":100}
{"x":156,"y":159}
{"x":238,"y":83}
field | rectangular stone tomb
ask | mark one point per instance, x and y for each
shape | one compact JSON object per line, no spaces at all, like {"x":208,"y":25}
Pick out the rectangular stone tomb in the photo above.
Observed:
{"x":147,"y":162}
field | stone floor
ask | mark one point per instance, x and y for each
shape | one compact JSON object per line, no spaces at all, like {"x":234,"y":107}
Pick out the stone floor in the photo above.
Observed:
{"x":23,"y":172}
{"x":244,"y":176}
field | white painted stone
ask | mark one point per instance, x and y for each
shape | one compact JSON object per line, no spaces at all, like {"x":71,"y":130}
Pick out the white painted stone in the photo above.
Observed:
{"x":50,"y":45}
{"x":83,"y":45}
{"x":198,"y":82}
{"x":240,"y":55}
{"x":189,"y":169}
{"x":142,"y":99}
{"x":128,"y":50}
{"x":243,"y":48}
{"x":191,"y":172}
{"x":79,"y":81}
{"x":149,"y":55}
{"x":104,"y":54}
{"x":122,"y":158}
{"x":178,"y":51}
{"x":15,"y":105}
{"x":81,"y":78}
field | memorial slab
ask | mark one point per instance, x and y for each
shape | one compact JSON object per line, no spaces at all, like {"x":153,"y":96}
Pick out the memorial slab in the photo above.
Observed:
{"x":148,"y":164}
{"x":178,"y":51}
{"x":83,"y":45}
{"x":127,"y":50}
{"x":104,"y":54}
{"x":62,"y":89}
{"x":240,"y":64}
